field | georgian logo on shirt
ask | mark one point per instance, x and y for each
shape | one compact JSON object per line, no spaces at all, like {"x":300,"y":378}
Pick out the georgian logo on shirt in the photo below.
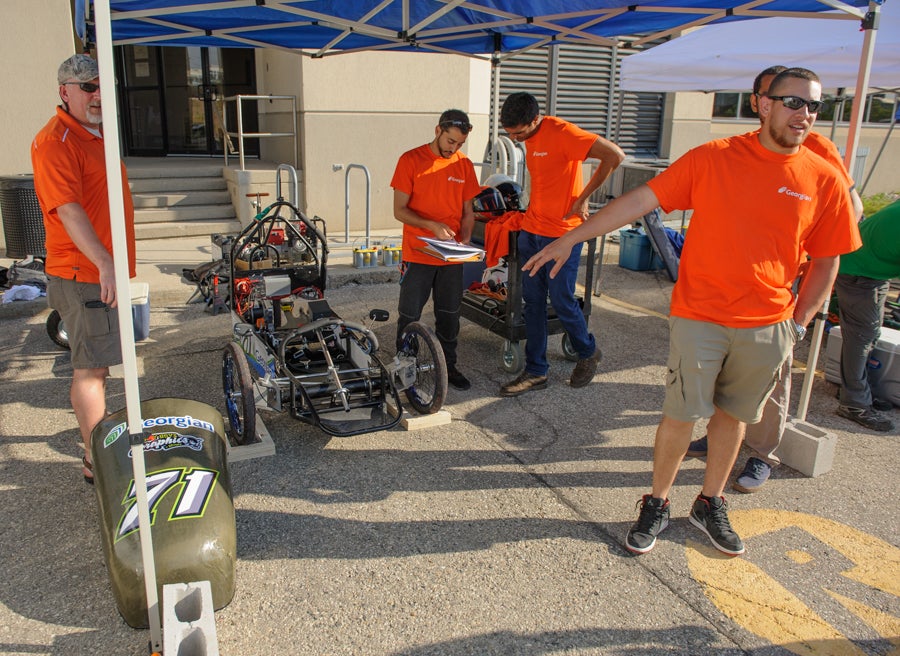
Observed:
{"x":795,"y":194}
{"x":539,"y":154}
{"x":450,"y":178}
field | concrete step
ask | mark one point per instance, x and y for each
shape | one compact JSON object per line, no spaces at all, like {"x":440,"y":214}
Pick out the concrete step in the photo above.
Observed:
{"x":170,"y":185}
{"x":188,"y":213}
{"x":167,"y":230}
{"x":183,"y":199}
{"x":171,"y":169}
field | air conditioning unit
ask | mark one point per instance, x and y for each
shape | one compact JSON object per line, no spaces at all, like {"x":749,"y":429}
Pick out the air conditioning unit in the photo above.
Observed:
{"x":633,"y":174}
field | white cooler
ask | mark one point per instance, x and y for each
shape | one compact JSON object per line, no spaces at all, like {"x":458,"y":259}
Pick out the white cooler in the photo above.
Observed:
{"x":884,"y":363}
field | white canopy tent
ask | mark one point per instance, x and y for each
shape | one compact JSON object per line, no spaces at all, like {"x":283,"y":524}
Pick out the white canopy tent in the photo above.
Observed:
{"x":727,"y":57}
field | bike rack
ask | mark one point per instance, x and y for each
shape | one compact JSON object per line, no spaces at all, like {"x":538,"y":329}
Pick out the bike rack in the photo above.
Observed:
{"x":347,"y":203}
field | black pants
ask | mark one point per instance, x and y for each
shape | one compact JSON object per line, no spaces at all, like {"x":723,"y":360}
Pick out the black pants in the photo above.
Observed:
{"x":861,"y":301}
{"x":444,"y":285}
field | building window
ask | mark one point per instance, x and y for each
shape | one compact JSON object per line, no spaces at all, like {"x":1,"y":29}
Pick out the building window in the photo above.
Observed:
{"x":879,"y":107}
{"x":733,"y":105}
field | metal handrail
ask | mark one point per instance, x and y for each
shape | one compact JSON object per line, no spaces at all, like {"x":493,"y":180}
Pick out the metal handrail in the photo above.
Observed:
{"x":241,"y":135}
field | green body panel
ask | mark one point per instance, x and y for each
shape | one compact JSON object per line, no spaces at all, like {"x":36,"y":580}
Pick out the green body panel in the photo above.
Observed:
{"x":189,"y":493}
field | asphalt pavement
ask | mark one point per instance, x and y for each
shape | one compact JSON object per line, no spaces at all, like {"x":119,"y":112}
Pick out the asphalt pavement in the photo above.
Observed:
{"x":499,"y":533}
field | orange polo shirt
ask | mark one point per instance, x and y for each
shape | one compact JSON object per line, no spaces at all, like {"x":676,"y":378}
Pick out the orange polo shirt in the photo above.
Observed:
{"x":555,"y":154}
{"x":756,"y":214}
{"x":437,"y":190}
{"x":69,"y":167}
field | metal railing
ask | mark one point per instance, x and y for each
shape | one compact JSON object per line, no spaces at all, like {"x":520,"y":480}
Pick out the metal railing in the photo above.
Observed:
{"x":241,"y":135}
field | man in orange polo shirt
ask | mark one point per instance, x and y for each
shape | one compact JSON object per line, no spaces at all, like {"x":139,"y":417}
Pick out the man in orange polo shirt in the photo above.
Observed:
{"x":558,"y":202}
{"x":761,"y":203}
{"x":70,"y":180}
{"x":434,"y":186}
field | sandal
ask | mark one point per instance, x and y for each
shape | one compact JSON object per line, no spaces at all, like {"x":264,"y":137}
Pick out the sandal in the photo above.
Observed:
{"x":85,"y":468}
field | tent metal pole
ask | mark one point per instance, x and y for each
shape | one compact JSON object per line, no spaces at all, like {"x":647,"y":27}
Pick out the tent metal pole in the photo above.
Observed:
{"x":495,"y":111}
{"x":123,"y":293}
{"x":869,"y":26}
{"x":552,"y":78}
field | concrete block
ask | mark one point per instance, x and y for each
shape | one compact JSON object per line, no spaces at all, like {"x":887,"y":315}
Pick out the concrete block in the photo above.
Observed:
{"x":806,"y":448}
{"x":189,"y":623}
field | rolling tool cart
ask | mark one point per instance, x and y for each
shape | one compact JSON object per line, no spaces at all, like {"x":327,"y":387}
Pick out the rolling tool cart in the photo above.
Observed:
{"x":504,"y":317}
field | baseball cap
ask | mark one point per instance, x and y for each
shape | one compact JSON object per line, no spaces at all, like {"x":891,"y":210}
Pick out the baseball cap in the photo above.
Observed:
{"x":78,"y":68}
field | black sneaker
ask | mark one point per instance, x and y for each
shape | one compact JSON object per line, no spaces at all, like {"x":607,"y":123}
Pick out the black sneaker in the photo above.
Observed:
{"x":882,"y":405}
{"x":652,"y":521}
{"x":457,"y":380}
{"x":584,"y":370}
{"x":866,"y":417}
{"x":710,"y":517}
{"x":524,"y":382}
{"x":697,"y":448}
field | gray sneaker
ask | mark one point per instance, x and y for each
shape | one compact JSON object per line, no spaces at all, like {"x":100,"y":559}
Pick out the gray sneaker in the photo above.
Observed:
{"x":525,"y":382}
{"x":584,"y":370}
{"x":710,"y":516}
{"x":756,"y":473}
{"x":652,"y":521}
{"x":866,"y":417}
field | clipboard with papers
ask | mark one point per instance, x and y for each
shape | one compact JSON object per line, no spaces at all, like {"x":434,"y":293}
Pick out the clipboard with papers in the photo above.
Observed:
{"x":451,"y":251}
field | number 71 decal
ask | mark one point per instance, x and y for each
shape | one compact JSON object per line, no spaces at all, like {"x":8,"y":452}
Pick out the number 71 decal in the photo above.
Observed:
{"x":196,"y":488}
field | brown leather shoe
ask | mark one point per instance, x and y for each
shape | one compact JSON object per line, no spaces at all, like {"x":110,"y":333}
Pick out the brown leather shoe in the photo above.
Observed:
{"x":525,"y":382}
{"x":585,"y":369}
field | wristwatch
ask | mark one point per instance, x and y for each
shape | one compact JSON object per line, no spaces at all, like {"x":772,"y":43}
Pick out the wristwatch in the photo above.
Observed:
{"x":800,"y":331}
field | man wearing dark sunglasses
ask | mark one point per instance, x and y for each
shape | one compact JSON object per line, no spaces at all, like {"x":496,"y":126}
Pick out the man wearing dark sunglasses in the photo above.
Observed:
{"x":764,"y":437}
{"x":760,"y":203}
{"x":434,"y":186}
{"x":69,"y":165}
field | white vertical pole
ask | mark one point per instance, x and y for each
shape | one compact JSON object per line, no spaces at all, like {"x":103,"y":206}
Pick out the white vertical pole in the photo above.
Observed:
{"x":110,"y":117}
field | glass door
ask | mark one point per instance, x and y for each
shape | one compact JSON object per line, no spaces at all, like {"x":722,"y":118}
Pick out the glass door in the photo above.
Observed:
{"x":174,"y":98}
{"x":193,"y":90}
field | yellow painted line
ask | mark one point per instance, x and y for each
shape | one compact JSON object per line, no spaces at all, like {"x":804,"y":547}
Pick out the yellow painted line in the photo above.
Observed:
{"x":756,"y":601}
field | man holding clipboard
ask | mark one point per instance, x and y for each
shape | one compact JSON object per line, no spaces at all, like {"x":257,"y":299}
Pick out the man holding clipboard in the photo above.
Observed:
{"x":434,"y":186}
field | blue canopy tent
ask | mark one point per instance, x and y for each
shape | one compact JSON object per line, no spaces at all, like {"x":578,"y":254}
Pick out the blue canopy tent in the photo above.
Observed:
{"x":493,"y":29}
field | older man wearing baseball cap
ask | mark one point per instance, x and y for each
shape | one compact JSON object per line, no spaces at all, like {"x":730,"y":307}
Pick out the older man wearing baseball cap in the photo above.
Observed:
{"x":67,"y":156}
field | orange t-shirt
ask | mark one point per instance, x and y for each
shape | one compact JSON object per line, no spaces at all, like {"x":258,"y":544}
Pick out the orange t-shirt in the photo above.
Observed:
{"x":555,"y":154}
{"x":70,"y":167}
{"x":437,"y":189}
{"x":756,"y":213}
{"x":825,"y":148}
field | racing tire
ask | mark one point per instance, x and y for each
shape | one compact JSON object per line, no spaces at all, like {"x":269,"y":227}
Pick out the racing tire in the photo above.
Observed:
{"x":427,"y":394}
{"x":240,"y":402}
{"x":56,"y":328}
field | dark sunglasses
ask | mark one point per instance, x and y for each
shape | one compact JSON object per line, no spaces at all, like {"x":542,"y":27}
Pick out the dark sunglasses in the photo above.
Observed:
{"x":87,"y":87}
{"x":462,"y":125}
{"x":796,"y":102}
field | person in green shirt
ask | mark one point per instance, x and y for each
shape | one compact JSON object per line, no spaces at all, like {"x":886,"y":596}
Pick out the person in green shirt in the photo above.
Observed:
{"x":862,"y":286}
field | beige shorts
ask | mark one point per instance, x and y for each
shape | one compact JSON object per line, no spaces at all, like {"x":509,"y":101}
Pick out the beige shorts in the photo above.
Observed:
{"x":92,"y":327}
{"x":734,"y":369}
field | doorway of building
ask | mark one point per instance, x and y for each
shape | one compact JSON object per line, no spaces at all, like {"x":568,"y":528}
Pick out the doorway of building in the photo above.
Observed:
{"x":173,"y":99}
